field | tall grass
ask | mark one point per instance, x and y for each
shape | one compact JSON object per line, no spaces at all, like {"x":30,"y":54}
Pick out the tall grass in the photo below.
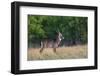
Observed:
{"x":71,"y":52}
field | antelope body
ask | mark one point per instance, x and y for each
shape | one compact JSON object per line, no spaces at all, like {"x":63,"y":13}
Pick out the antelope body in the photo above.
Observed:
{"x":52,"y":43}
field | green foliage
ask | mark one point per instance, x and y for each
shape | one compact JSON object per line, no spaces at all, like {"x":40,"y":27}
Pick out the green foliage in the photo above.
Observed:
{"x":72,"y":28}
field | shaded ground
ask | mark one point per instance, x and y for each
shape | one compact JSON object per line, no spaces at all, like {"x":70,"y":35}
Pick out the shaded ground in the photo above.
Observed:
{"x":72,"y":52}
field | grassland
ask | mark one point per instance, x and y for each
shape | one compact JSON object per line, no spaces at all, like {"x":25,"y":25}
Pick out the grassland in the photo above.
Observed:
{"x":70,"y":52}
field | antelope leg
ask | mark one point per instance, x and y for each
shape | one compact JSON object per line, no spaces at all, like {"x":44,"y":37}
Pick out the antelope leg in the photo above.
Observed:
{"x":41,"y":50}
{"x":54,"y":49}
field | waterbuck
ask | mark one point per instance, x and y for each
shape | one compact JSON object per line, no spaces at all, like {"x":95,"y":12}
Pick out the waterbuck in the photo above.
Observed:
{"x":51,"y":43}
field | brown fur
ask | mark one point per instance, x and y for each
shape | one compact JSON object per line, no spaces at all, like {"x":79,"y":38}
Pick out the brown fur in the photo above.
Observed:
{"x":47,"y":43}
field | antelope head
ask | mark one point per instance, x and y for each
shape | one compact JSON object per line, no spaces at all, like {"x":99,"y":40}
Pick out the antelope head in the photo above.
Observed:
{"x":60,"y":36}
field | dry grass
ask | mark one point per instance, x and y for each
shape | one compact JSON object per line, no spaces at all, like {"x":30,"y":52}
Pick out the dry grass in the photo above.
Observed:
{"x":72,"y":52}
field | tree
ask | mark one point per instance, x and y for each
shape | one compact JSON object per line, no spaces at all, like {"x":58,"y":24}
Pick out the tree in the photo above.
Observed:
{"x":74,"y":29}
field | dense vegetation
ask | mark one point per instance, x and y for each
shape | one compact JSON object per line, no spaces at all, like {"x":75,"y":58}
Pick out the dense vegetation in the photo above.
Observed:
{"x":74,"y":29}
